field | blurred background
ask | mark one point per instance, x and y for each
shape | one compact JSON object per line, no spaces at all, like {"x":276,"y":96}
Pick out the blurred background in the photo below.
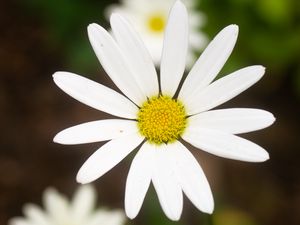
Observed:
{"x":38,"y":38}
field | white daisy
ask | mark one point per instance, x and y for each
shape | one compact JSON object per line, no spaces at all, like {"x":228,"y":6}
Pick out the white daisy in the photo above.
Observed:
{"x":59,"y":211}
{"x":155,"y":121}
{"x":150,"y":18}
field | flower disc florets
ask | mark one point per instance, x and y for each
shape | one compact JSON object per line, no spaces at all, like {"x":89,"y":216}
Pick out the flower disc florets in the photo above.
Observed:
{"x":162,"y":119}
{"x":156,"y":23}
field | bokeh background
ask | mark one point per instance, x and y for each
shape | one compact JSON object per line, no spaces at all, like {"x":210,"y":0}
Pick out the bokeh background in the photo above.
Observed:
{"x":38,"y":38}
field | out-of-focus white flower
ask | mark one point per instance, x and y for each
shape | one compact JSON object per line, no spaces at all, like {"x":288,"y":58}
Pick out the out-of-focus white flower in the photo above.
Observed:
{"x":59,"y":211}
{"x":149,"y":18}
{"x":156,"y":121}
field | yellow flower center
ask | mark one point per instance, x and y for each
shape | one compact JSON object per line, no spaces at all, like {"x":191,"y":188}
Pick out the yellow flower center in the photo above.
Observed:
{"x":162,"y":119}
{"x":156,"y":23}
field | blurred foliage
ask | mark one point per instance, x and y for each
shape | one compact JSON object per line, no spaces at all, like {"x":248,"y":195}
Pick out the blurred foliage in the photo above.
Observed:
{"x":66,"y":22}
{"x":232,"y":216}
{"x":269,"y":32}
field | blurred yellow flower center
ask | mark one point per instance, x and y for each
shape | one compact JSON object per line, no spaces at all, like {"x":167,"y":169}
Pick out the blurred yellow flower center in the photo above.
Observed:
{"x":156,"y":23}
{"x":162,"y":119}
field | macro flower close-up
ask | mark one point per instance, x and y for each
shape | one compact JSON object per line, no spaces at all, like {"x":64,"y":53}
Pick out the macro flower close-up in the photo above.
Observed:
{"x":159,"y":117}
{"x":60,"y":211}
{"x":149,"y":18}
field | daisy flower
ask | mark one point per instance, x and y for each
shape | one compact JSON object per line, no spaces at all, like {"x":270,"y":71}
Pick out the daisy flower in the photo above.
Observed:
{"x":157,"y":118}
{"x":150,"y":19}
{"x":59,"y":211}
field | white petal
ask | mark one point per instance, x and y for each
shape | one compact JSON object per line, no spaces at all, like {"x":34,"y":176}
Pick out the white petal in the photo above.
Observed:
{"x":210,"y":62}
{"x":95,"y":95}
{"x":224,"y":89}
{"x":36,"y":215}
{"x":234,"y":121}
{"x":113,"y":62}
{"x":19,"y":221}
{"x":196,"y":19}
{"x":192,"y":179}
{"x":138,"y":180}
{"x":197,"y":41}
{"x":101,"y":130}
{"x":166,"y":183}
{"x":57,"y":205}
{"x":225,"y":145}
{"x":174,"y":49}
{"x":115,"y":217}
{"x":107,"y":157}
{"x":83,"y":203}
{"x":136,"y":55}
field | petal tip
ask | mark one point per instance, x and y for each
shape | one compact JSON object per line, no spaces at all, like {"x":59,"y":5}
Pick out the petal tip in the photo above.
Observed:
{"x":174,"y":217}
{"x":209,"y":207}
{"x":263,"y":157}
{"x":257,"y":71}
{"x":130,"y":215}
{"x":209,"y":211}
{"x":273,"y":118}
{"x":81,"y":180}
{"x":177,"y":218}
{"x":56,"y":139}
{"x":178,"y":5}
{"x":266,"y":157}
{"x":130,"y":210}
{"x":233,"y":28}
{"x":57,"y":75}
{"x":261,"y":68}
{"x":270,"y":119}
{"x":92,"y":27}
